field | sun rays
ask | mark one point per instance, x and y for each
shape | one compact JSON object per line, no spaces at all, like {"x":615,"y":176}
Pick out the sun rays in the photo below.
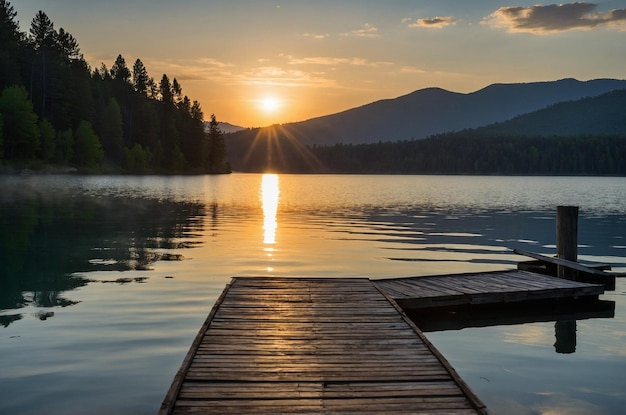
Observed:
{"x":276,"y":148}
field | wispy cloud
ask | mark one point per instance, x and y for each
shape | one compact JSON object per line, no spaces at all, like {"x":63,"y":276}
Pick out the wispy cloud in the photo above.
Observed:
{"x":189,"y":69}
{"x":412,"y":70}
{"x":330,"y":61}
{"x":317,"y":36}
{"x":367,"y":30}
{"x":209,"y":69}
{"x":438,"y":22}
{"x":275,"y":76}
{"x":215,"y":63}
{"x":554,"y":18}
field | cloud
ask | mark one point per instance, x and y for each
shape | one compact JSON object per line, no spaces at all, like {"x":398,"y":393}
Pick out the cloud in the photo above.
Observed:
{"x":438,"y":22}
{"x":317,"y":36}
{"x":330,"y":61}
{"x":366,"y":31}
{"x":554,"y":18}
{"x":213,"y":63}
{"x":188,"y":69}
{"x":213,"y":70}
{"x":275,"y":76}
{"x":412,"y":70}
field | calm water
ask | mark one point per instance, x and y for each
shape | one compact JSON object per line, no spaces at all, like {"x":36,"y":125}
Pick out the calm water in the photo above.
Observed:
{"x":104,"y":281}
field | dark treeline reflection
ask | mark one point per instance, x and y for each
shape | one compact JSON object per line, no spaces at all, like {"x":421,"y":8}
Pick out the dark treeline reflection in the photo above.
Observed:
{"x":46,"y":239}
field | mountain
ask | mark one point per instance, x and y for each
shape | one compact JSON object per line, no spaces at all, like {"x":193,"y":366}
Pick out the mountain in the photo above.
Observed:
{"x":604,"y":114}
{"x":432,"y":111}
{"x":583,"y":137}
{"x":225,"y":127}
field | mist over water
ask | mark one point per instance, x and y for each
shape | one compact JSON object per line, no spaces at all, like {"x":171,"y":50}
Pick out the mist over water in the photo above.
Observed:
{"x":106,"y":280}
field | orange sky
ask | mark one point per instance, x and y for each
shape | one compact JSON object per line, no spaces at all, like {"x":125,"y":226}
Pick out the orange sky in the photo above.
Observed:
{"x":255,"y":63}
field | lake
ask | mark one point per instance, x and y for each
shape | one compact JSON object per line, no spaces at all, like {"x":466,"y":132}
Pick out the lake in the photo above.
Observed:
{"x":105,"y":281}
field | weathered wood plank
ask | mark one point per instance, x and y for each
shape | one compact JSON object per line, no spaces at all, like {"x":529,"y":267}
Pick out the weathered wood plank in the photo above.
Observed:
{"x":587,"y":273}
{"x":483,"y":288}
{"x":280,"y":345}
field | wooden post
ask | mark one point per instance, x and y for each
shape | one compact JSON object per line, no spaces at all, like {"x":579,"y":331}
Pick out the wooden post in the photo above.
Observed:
{"x":566,"y":248}
{"x":567,"y":238}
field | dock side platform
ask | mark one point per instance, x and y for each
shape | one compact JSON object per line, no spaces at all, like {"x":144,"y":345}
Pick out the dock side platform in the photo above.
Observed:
{"x":480,"y":288}
{"x":314,"y":346}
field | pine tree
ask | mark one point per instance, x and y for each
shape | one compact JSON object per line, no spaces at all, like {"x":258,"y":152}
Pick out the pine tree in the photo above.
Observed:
{"x":120,"y":71}
{"x":68,"y":46}
{"x":111,"y":131}
{"x":10,"y":41}
{"x":217,"y":148}
{"x":43,"y":41}
{"x":165,"y":91}
{"x":141,"y":79}
{"x":177,"y":92}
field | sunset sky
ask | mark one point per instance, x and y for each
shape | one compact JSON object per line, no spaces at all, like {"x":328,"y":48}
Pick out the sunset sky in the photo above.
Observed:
{"x":257,"y":62}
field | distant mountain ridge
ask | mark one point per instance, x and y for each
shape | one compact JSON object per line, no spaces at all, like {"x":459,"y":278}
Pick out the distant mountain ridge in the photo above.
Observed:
{"x":601,"y":115}
{"x":225,"y":127}
{"x":582,"y":137}
{"x":432,"y":111}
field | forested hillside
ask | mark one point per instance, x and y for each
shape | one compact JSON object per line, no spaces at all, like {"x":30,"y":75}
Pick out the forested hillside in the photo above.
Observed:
{"x":475,"y":154}
{"x":584,"y":137}
{"x":56,"y":110}
{"x":430,"y":111}
{"x":604,"y":114}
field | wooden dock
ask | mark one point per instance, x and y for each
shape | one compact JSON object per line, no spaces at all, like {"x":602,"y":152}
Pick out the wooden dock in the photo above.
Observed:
{"x":338,"y":345}
{"x":499,"y":287}
{"x":313,"y":346}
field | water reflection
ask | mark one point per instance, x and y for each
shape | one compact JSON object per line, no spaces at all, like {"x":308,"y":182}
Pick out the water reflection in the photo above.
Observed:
{"x":565,"y":334}
{"x":269,"y":197}
{"x":49,"y":239}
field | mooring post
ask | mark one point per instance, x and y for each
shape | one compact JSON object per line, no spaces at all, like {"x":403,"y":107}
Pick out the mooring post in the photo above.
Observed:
{"x":566,"y":248}
{"x":566,"y":238}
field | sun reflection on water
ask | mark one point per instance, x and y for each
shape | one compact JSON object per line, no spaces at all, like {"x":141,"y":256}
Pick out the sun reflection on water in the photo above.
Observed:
{"x":269,"y":197}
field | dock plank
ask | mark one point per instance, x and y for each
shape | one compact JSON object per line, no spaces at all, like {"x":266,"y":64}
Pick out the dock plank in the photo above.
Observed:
{"x":313,"y":345}
{"x":482,"y":288}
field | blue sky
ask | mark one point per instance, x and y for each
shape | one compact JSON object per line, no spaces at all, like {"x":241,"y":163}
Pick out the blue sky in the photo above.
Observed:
{"x":255,"y":63}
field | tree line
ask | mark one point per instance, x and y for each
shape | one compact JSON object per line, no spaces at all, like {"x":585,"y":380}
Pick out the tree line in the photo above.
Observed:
{"x":466,"y":152}
{"x":56,"y":110}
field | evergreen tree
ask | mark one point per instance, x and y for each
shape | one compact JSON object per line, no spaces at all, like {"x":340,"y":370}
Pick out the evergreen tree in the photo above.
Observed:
{"x":20,"y":129}
{"x":64,"y":147}
{"x":68,"y":46}
{"x":111,"y":132}
{"x":142,"y":124}
{"x":87,"y":149}
{"x":103,"y":72}
{"x":141,"y":79}
{"x":120,"y":71}
{"x":137,"y":159}
{"x":9,"y":28}
{"x":169,"y":136}
{"x":165,"y":92}
{"x":47,"y":134}
{"x":153,"y":89}
{"x":217,"y":148}
{"x":43,"y":41}
{"x":123,"y":91}
{"x":82,"y":102}
{"x":177,"y":92}
{"x":51,"y":79}
{"x":10,"y":45}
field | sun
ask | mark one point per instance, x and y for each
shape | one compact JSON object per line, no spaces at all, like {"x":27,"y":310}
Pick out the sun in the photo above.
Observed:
{"x":269,"y":104}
